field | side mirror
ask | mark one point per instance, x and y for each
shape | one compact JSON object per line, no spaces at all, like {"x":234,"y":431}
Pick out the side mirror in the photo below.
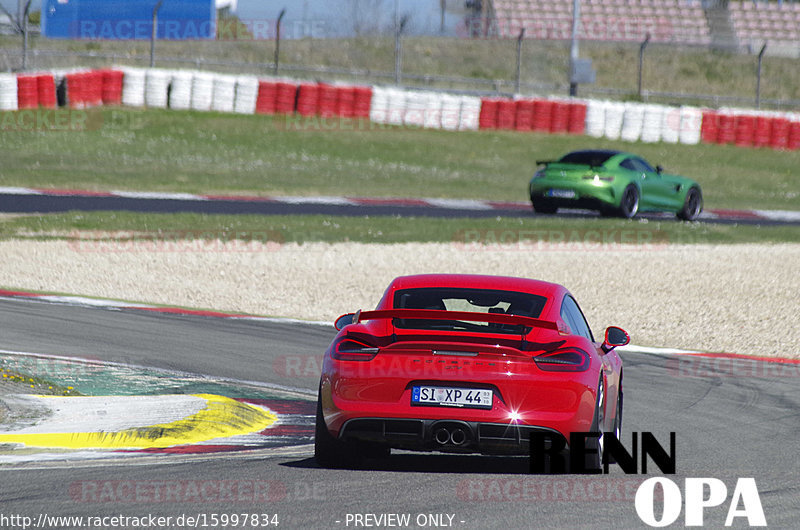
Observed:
{"x":615,"y":337}
{"x":659,"y":169}
{"x":344,"y":320}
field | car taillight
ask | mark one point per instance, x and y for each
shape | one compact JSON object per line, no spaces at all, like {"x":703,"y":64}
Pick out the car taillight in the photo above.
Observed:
{"x":568,"y":360}
{"x":353,"y":350}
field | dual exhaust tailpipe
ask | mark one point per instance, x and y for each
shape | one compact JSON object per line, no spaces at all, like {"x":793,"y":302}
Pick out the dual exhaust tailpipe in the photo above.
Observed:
{"x":454,"y":435}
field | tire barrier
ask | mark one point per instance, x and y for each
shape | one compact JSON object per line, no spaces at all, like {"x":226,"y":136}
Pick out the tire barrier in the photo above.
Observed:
{"x":27,"y":92}
{"x":204,"y":91}
{"x":8,"y":92}
{"x":224,"y":93}
{"x":156,"y":92}
{"x":246,"y":94}
{"x":180,"y":94}
{"x":133,"y":87}
{"x":112,"y":88}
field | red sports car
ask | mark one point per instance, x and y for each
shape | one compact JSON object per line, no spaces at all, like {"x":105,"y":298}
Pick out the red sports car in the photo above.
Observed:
{"x":465,"y":363}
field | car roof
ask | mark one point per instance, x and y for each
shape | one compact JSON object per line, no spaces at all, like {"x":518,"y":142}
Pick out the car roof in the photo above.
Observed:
{"x":479,"y":281}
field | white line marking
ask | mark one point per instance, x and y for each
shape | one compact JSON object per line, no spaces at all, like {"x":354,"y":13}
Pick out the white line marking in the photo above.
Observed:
{"x":10,"y":190}
{"x":337,"y":201}
{"x":159,"y":195}
{"x":779,"y":215}
{"x":460,"y":204}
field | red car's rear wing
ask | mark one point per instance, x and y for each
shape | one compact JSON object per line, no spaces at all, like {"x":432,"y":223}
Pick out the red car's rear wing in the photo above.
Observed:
{"x":436,"y":314}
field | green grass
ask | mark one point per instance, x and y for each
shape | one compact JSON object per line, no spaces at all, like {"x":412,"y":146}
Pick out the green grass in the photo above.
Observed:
{"x":667,"y":68}
{"x":219,"y":153}
{"x":115,"y":231}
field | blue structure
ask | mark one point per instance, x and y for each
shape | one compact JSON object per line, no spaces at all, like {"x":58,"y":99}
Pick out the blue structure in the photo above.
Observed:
{"x":128,"y":19}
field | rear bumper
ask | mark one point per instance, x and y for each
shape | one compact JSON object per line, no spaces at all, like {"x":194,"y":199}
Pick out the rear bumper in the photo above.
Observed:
{"x":443,"y":435}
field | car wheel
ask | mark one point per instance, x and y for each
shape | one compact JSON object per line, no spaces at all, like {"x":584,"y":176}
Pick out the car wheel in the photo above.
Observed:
{"x":328,"y":451}
{"x":540,"y":206}
{"x":629,"y":203}
{"x":595,"y":461}
{"x":692,"y":205}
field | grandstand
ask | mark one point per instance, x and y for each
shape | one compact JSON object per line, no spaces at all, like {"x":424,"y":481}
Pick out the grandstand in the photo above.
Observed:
{"x":775,"y":22}
{"x":667,"y":21}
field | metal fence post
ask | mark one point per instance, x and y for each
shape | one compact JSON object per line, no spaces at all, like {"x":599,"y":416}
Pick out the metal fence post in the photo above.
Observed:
{"x":398,"y":49}
{"x":642,"y":47}
{"x":155,"y":33}
{"x":519,"y":60}
{"x":25,"y":34}
{"x":758,"y":75}
{"x":278,"y":40}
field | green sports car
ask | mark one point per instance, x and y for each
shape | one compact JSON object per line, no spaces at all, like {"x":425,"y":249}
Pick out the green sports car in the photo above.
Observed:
{"x":614,"y":183}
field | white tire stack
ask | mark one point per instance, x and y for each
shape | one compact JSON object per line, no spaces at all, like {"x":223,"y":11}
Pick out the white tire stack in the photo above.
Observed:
{"x":379,"y":106}
{"x":596,"y":118}
{"x":224,"y":93}
{"x":133,"y":86}
{"x":396,"y":109}
{"x":8,"y":92}
{"x":180,"y":96}
{"x":246,"y":94}
{"x":633,"y":122}
{"x":156,"y":93}
{"x":202,"y":90}
{"x":613,"y":120}
{"x":470,"y":113}
{"x":653,"y":123}
{"x":691,"y":120}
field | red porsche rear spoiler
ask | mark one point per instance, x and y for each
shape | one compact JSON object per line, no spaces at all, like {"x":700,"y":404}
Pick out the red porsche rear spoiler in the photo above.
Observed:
{"x":436,"y":314}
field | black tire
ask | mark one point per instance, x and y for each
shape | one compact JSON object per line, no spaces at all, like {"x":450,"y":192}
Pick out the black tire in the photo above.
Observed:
{"x":692,"y":205}
{"x":629,"y":203}
{"x":328,"y":451}
{"x":540,"y":206}
{"x":617,"y":422}
{"x":594,"y":462}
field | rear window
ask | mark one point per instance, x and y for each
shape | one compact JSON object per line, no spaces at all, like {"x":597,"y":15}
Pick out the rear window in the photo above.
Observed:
{"x":473,"y":300}
{"x":587,"y":158}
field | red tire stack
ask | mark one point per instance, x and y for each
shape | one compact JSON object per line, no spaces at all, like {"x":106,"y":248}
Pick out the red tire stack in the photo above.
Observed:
{"x":267,"y":97}
{"x":559,"y":122}
{"x":93,"y":88}
{"x":27,"y":92}
{"x":762,"y":130}
{"x":345,"y":101}
{"x":745,"y":130}
{"x":112,"y":87}
{"x":46,"y":86}
{"x":506,"y":113}
{"x":577,"y":118}
{"x":709,"y":127}
{"x":524,"y":115}
{"x":308,"y":99}
{"x":75,"y":96}
{"x":328,"y":99}
{"x":285,"y":95}
{"x":488,"y":116}
{"x":727,"y":129}
{"x":363,"y":95}
{"x":542,"y":115}
{"x":779,"y":139}
{"x":794,"y":136}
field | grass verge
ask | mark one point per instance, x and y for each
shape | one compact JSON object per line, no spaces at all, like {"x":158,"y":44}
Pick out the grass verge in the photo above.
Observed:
{"x":219,"y":153}
{"x":185,"y":232}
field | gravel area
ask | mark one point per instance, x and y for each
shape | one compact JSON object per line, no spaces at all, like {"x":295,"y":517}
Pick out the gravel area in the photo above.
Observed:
{"x":738,"y":298}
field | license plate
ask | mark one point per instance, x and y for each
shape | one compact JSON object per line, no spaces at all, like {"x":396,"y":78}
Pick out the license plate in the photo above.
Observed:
{"x":561,"y":194}
{"x":445,"y":396}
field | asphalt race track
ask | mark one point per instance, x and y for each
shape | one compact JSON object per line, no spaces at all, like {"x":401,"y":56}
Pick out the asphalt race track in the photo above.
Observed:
{"x":730,"y":421}
{"x":19,"y":200}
